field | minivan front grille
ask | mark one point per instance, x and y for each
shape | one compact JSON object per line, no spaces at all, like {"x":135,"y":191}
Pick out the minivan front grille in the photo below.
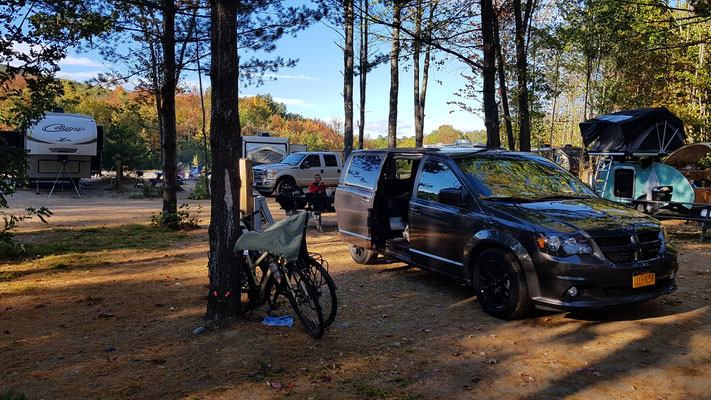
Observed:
{"x":622,"y":249}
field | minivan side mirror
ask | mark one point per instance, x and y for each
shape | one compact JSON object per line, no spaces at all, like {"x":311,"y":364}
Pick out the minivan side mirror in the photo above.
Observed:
{"x":451,"y":196}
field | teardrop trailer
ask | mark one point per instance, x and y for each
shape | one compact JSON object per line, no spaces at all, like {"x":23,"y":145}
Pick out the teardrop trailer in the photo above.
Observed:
{"x":631,"y":149}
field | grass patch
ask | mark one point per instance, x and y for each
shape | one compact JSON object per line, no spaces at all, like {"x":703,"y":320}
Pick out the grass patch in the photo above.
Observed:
{"x":7,"y":276}
{"x":78,"y":241}
{"x":369,"y":390}
{"x":686,"y":237}
{"x":26,"y":288}
{"x":12,"y":396}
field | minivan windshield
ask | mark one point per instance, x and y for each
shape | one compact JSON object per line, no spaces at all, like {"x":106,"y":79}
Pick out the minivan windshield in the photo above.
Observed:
{"x":294,"y":159}
{"x":500,"y":177}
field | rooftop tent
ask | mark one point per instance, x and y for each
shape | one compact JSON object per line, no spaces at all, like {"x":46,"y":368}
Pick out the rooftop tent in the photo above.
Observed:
{"x":645,"y":131}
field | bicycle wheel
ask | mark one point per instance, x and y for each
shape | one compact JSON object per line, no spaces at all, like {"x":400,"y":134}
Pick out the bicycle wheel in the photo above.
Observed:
{"x":252,"y":278}
{"x":303,"y":297}
{"x":325,"y":289}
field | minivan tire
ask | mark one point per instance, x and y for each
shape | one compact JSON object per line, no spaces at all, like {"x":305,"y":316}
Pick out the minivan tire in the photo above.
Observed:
{"x":500,"y":284}
{"x":361,"y":255}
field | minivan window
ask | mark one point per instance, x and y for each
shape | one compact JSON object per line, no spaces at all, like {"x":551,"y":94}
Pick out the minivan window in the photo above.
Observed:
{"x":435,"y":177}
{"x":330,"y":160}
{"x":524,"y":178}
{"x":363,"y":171}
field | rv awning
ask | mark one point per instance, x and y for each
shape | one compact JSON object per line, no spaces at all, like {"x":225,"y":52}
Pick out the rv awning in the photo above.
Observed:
{"x":690,"y":154}
{"x":646,"y":131}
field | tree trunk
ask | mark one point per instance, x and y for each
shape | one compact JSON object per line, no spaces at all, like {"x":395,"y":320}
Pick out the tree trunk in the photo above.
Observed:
{"x":491,"y":111}
{"x":170,"y":152}
{"x":206,"y":164}
{"x":394,"y":76}
{"x":223,"y":266}
{"x":348,"y":79}
{"x":155,"y":78}
{"x":503,"y":92}
{"x":522,"y":72}
{"x":363,"y":68}
{"x":416,"y":73}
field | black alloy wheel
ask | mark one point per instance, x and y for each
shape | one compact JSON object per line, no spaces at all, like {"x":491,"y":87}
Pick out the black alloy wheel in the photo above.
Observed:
{"x":501,"y":285}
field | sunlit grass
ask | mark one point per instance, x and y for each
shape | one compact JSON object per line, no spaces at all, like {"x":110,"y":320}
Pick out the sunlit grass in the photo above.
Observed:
{"x":61,"y":250}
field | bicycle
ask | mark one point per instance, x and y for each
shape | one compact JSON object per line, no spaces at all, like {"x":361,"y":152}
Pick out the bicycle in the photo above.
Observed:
{"x":270,"y":271}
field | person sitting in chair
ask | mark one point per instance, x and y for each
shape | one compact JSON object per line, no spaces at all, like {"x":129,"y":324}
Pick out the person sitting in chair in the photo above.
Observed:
{"x":317,"y":186}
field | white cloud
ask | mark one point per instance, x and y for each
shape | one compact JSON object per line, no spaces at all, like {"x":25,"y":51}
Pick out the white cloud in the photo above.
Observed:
{"x":78,"y":76}
{"x":80,"y":62}
{"x":380,"y":128}
{"x":294,"y":102}
{"x":289,"y":102}
{"x":300,"y":76}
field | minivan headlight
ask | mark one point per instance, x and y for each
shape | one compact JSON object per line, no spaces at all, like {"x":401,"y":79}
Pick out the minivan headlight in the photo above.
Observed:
{"x":563,"y":245}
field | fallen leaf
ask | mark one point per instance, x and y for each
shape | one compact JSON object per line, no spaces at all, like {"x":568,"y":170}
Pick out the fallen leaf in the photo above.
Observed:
{"x":275,"y":385}
{"x":467,"y":387}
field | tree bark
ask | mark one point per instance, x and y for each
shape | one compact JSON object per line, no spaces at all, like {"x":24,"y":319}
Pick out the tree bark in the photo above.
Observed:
{"x":522,"y":72}
{"x":206,"y":165}
{"x":491,"y":111}
{"x":225,"y":139}
{"x":416,"y":72}
{"x":394,"y":76}
{"x":348,"y":79}
{"x":170,"y":152}
{"x":502,"y":86}
{"x":363,"y":68}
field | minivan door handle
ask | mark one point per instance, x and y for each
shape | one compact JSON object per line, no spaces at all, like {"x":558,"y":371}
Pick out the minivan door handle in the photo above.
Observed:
{"x":364,"y":199}
{"x":416,"y":210}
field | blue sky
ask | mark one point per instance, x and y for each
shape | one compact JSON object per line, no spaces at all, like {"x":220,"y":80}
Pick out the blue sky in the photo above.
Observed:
{"x":314,"y":87}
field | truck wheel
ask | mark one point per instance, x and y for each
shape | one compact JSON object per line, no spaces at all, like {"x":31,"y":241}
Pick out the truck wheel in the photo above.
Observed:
{"x":283,"y":184}
{"x":362,"y":256}
{"x":501,"y":285}
{"x":265,"y":193}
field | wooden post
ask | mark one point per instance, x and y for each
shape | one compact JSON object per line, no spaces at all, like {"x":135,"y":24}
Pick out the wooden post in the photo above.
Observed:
{"x":246,"y":199}
{"x":119,"y":172}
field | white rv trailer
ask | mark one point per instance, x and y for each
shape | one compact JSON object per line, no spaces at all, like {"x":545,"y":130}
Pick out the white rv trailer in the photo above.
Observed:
{"x":63,"y":146}
{"x":265,"y":149}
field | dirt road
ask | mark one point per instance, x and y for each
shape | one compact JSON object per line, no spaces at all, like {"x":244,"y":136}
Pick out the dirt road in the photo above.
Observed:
{"x":400,"y":333}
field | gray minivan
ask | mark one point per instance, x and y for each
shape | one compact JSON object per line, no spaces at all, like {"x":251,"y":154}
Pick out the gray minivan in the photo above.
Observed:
{"x":515,"y":226}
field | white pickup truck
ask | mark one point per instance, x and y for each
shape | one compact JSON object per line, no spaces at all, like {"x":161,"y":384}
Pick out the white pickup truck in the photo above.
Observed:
{"x":298,"y":169}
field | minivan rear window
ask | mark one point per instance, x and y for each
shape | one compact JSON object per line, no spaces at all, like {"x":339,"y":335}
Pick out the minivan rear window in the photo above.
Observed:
{"x":363,"y":171}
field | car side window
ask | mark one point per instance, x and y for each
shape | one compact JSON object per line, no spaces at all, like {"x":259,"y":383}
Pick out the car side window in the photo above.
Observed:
{"x":363,"y":171}
{"x":330,"y":160}
{"x":313,"y":160}
{"x":435,"y":177}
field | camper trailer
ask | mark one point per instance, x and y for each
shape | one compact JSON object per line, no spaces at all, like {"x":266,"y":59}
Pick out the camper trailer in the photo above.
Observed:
{"x":265,"y":149}
{"x":63,"y":146}
{"x":628,"y":146}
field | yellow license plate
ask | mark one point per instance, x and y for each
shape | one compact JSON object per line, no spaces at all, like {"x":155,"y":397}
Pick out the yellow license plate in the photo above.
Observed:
{"x":641,"y":280}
